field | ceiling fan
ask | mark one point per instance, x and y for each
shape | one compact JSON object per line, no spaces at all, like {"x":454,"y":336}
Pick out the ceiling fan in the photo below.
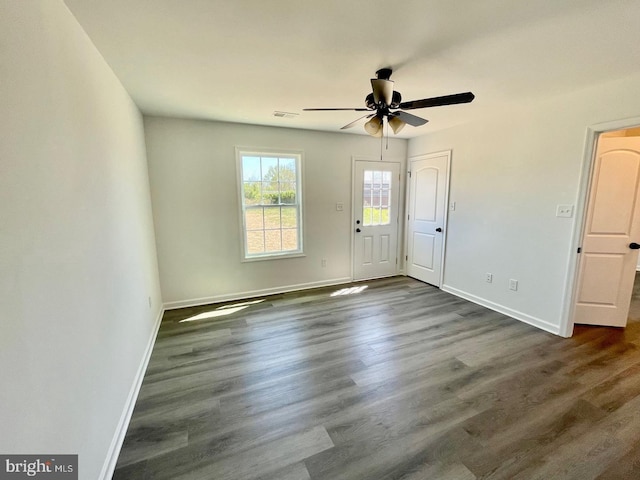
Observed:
{"x":385,"y":102}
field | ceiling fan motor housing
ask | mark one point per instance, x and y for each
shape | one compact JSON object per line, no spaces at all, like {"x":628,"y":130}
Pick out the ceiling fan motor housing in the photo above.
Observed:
{"x":384,"y":73}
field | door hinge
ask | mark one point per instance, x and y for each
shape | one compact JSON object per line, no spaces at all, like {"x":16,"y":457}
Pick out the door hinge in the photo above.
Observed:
{"x":409,"y":172}
{"x":406,"y":258}
{"x":408,"y":216}
{"x":579,"y":249}
{"x":396,"y":260}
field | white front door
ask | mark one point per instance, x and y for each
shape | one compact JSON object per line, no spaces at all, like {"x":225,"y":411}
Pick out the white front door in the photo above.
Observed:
{"x":607,"y":263}
{"x":426,"y":216}
{"x":376,"y":195}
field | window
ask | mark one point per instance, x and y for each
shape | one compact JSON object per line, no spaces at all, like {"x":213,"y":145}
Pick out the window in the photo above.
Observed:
{"x":376,"y":194}
{"x":271,"y":200}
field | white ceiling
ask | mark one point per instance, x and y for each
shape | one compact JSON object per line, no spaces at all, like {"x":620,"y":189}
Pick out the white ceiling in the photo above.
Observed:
{"x":241,"y":60}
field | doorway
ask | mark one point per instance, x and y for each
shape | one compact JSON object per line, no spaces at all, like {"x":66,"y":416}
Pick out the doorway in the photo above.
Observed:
{"x":376,"y":186}
{"x":604,"y":271}
{"x":427,"y":200}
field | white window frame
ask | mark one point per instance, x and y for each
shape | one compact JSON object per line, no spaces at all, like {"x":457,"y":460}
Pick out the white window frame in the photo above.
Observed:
{"x":268,"y":152}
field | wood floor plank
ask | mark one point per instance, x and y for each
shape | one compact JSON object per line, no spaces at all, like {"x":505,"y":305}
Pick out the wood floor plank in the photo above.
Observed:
{"x":400,"y":381}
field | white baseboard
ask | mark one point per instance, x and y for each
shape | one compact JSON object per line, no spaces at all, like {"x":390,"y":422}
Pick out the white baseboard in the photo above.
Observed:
{"x":194,"y":302}
{"x":523,"y":317}
{"x":118,"y":439}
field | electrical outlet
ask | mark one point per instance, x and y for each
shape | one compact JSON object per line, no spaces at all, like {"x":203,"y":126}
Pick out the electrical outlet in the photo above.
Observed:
{"x":323,"y":262}
{"x":339,"y":207}
{"x":452,"y":206}
{"x":513,"y":285}
{"x":488,"y":277}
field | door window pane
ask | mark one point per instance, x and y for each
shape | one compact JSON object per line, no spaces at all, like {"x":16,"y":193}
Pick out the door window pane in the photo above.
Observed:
{"x":376,"y":195}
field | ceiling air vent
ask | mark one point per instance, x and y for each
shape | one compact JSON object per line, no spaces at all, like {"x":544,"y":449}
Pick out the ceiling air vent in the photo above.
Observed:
{"x":284,"y":114}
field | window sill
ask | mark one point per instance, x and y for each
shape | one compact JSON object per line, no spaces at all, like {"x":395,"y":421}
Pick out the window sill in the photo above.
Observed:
{"x":273,"y":257}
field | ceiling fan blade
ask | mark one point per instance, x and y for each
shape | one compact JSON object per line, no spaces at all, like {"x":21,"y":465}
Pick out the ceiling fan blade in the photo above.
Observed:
{"x":382,"y":90}
{"x":438,"y":101}
{"x":333,"y":109}
{"x":349,"y":125}
{"x":409,"y":118}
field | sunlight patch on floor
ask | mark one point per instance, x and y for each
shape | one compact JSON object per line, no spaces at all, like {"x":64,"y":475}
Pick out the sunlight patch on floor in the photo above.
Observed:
{"x":222,"y":311}
{"x":349,"y":291}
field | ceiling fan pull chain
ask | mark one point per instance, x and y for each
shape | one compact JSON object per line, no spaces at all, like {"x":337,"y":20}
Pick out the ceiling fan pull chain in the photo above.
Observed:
{"x":387,"y":134}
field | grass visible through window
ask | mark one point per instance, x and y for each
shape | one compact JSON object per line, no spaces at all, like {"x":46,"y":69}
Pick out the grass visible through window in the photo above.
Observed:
{"x":375,"y":216}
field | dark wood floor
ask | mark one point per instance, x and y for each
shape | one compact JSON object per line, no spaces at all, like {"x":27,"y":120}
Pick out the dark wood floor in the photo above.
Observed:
{"x":398,"y":381}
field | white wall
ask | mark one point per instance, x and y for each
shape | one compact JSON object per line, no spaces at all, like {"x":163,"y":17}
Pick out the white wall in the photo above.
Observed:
{"x":77,"y":252}
{"x":192,"y":168}
{"x":509,"y":173}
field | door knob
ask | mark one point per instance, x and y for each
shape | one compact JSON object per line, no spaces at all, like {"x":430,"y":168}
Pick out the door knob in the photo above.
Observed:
{"x":438,"y":229}
{"x":634,"y":246}
{"x":358,"y":222}
{"x":358,"y":230}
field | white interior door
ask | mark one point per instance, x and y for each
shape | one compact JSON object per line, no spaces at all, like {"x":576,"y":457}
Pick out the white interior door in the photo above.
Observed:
{"x":607,"y":263}
{"x":376,"y":195}
{"x":429,"y":178}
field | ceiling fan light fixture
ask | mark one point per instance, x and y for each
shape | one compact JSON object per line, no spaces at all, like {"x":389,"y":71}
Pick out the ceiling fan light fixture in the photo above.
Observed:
{"x":374,"y":126}
{"x":396,"y":124}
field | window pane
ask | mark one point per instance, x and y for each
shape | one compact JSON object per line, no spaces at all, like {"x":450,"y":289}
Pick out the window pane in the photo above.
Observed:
{"x":253,"y":219}
{"x":255,"y":242}
{"x":384,"y":216}
{"x":290,"y":239}
{"x":273,"y":240}
{"x":384,"y":198}
{"x":287,"y":171}
{"x":375,"y":198}
{"x":251,"y":169}
{"x":269,"y":169}
{"x":272,"y":217}
{"x":289,"y":217}
{"x":288,"y":193}
{"x":367,"y":216}
{"x":251,"y":193}
{"x":270,"y":193}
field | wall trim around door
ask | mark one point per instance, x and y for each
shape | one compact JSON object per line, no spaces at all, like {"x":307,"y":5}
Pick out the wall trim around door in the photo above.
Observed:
{"x":586,"y":173}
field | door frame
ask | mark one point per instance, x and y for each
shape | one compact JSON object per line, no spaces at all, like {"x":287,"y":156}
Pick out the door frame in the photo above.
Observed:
{"x":584,"y":187}
{"x":401,"y":208}
{"x":426,"y":156}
